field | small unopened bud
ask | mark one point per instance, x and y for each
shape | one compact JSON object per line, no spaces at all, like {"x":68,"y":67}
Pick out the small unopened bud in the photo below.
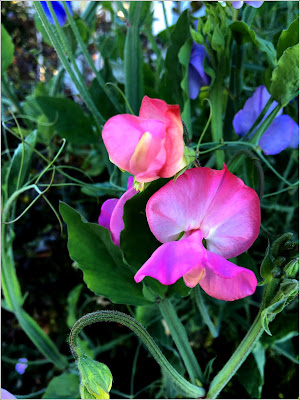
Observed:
{"x":276,"y":272}
{"x":280,"y":261}
{"x":96,"y":378}
{"x":291,"y":269}
{"x":289,"y":287}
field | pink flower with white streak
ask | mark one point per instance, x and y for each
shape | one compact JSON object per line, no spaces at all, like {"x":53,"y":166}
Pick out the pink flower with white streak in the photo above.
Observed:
{"x":149,"y":146}
{"x":111,"y":215}
{"x":203,"y":204}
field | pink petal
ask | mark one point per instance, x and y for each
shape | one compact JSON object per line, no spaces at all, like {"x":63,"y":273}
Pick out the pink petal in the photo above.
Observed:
{"x":122,"y":133}
{"x":217,"y":202}
{"x":174,"y":145}
{"x":224,"y":280}
{"x":153,"y":109}
{"x":173,"y":260}
{"x":106,"y":211}
{"x":116,"y":221}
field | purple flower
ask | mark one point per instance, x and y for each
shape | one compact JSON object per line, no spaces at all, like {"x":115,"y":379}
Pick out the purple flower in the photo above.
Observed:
{"x":197,"y":75}
{"x":59,"y":11}
{"x":283,"y":131}
{"x":21,"y":366}
{"x":6,"y":395}
{"x":239,"y":4}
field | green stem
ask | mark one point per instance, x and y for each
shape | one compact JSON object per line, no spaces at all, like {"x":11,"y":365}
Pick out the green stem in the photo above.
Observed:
{"x":121,"y":318}
{"x":245,"y":347}
{"x":265,"y":125}
{"x":204,"y":313}
{"x":89,"y":59}
{"x":216,"y":99}
{"x":181,"y":340}
{"x":59,"y":42}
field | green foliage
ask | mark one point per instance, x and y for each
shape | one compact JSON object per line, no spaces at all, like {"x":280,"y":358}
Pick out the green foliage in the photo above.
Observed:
{"x":65,"y":386}
{"x":72,"y":301}
{"x":288,"y":38}
{"x":243,"y":34}
{"x":8,"y":49}
{"x":285,"y":77}
{"x":68,"y":119}
{"x":101,"y":261}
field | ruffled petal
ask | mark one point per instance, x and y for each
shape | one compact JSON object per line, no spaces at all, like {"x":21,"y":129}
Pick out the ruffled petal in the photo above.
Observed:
{"x":153,"y":109}
{"x":224,"y":280}
{"x":294,"y":143}
{"x":278,"y":136}
{"x":195,"y":82}
{"x":217,"y":202}
{"x":116,"y":221}
{"x":255,"y":4}
{"x":105,"y":214}
{"x":122,"y":133}
{"x":6,"y":395}
{"x":58,"y":10}
{"x":173,"y":260}
{"x":245,"y":118}
{"x":237,"y":4}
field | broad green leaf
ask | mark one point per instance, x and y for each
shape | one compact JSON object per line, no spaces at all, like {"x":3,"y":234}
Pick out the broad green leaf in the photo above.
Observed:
{"x":243,"y":34}
{"x":250,"y":377}
{"x":104,"y":271}
{"x":21,"y":162}
{"x":218,"y":41}
{"x":68,"y":119}
{"x":7,"y":49}
{"x":285,"y":77}
{"x":288,"y":38}
{"x":65,"y":386}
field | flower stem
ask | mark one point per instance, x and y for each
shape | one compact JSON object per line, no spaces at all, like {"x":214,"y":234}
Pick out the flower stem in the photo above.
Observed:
{"x":216,"y":99}
{"x":245,"y":347}
{"x":204,"y":313}
{"x":187,"y":388}
{"x":181,"y":340}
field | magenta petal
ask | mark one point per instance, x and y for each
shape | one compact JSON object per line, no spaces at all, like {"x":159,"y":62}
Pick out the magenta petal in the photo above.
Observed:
{"x":217,"y":202}
{"x":224,"y":280}
{"x":116,"y":221}
{"x":105,"y":214}
{"x":173,"y":260}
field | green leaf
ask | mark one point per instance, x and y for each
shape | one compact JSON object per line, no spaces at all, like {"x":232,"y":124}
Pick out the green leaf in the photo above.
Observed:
{"x":65,"y":386}
{"x":102,"y":189}
{"x":218,"y":41}
{"x":68,"y":119}
{"x":250,"y":377}
{"x":72,"y":301}
{"x":23,"y":150}
{"x":267,"y":266}
{"x":285,"y":77}
{"x":288,"y":38}
{"x":243,"y":34}
{"x":8,"y":49}
{"x":104,"y":271}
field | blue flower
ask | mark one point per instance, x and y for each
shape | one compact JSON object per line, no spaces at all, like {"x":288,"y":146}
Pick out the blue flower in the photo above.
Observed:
{"x":6,"y":395}
{"x":197,"y":75}
{"x":21,"y":365}
{"x":283,"y":131}
{"x":239,"y":4}
{"x":59,"y":11}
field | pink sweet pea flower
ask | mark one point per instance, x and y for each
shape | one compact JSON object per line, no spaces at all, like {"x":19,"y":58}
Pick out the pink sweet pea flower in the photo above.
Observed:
{"x":111,"y":215}
{"x":203,"y":204}
{"x":149,"y":146}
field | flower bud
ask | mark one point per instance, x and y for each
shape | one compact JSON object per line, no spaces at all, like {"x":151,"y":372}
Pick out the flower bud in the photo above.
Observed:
{"x":96,"y":378}
{"x":289,"y":287}
{"x":292,"y":268}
